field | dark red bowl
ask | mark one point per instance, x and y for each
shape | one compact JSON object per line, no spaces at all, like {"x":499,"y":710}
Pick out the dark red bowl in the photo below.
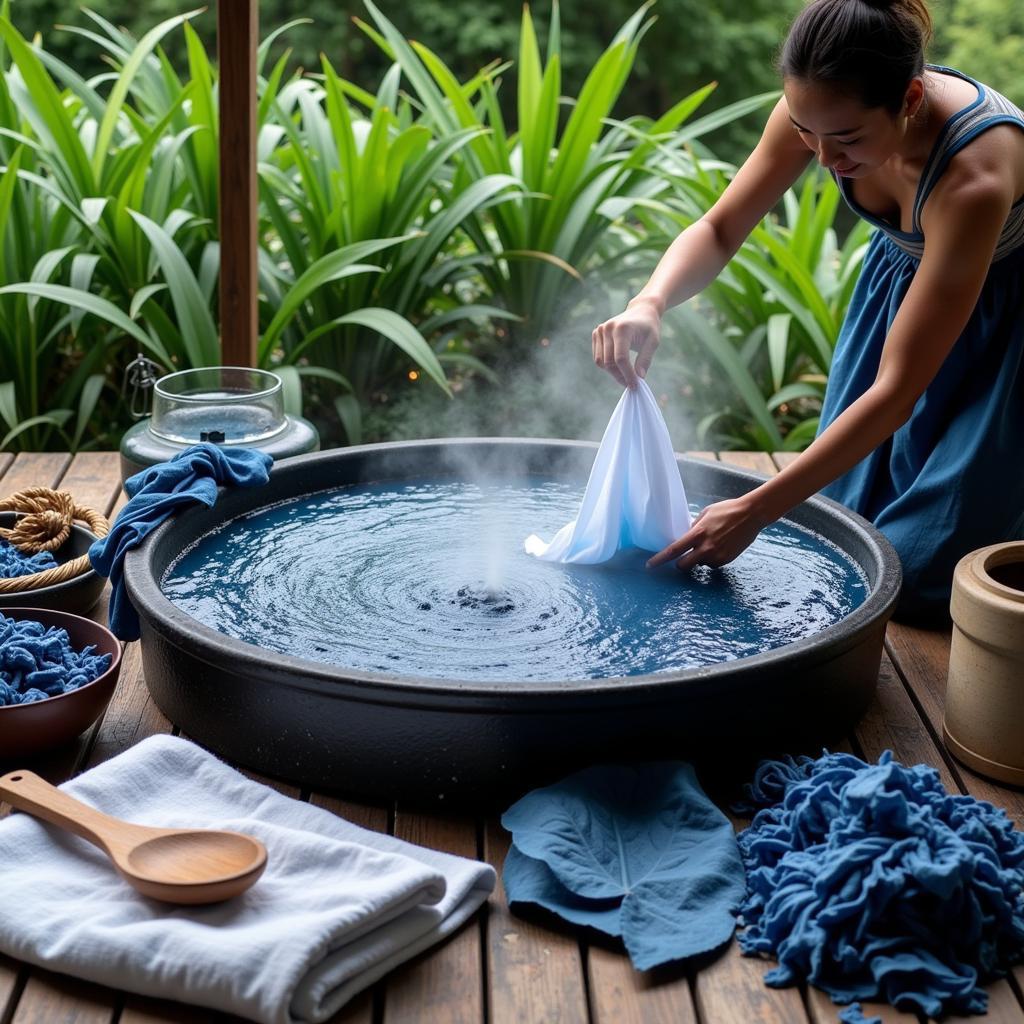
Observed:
{"x":29,"y":729}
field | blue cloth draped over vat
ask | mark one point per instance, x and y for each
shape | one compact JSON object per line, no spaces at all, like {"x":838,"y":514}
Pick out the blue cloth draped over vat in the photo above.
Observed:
{"x":951,"y":479}
{"x":191,"y":477}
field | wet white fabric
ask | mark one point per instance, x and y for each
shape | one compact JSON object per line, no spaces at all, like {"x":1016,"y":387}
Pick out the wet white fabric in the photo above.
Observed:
{"x":337,"y":907}
{"x":634,"y":497}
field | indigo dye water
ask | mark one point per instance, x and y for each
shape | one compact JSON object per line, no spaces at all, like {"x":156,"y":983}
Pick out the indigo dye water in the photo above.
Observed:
{"x":429,"y":578}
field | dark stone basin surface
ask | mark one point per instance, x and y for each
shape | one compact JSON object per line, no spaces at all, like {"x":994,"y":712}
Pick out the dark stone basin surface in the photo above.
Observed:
{"x":479,"y":742}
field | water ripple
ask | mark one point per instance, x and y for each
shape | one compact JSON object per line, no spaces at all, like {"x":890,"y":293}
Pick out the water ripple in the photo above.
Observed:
{"x":429,"y":579}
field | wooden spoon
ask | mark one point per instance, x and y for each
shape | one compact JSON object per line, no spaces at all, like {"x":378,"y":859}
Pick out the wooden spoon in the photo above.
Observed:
{"x":170,"y":864}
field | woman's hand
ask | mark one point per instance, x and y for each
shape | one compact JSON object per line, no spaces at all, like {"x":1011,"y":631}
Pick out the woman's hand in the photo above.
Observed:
{"x":637,"y":328}
{"x":719,"y":534}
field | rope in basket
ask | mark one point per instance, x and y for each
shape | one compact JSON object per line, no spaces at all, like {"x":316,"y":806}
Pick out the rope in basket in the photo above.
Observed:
{"x":44,"y":523}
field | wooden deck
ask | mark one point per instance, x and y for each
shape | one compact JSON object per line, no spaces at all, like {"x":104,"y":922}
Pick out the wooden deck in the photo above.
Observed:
{"x":499,"y":968}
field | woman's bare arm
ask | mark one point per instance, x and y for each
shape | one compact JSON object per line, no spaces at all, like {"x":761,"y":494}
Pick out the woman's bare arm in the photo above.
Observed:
{"x":699,"y":252}
{"x":962,"y":222}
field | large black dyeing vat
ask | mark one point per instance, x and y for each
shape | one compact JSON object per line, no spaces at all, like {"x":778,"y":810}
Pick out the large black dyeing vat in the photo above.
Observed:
{"x":477,"y":742}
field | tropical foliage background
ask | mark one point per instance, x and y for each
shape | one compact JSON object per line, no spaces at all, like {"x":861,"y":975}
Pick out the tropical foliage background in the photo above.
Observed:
{"x":450,"y":196}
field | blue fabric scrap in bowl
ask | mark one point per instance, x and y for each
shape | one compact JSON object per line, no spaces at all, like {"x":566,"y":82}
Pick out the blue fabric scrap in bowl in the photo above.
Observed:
{"x":872,"y":882}
{"x":190,"y":478}
{"x":38,"y":661}
{"x":15,"y":563}
{"x":636,"y":851}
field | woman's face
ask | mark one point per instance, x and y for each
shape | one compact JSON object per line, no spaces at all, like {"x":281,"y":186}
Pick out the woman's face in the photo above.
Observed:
{"x":845,"y":136}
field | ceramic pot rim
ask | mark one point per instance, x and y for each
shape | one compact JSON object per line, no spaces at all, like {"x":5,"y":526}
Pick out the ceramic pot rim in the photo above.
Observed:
{"x":986,"y":559}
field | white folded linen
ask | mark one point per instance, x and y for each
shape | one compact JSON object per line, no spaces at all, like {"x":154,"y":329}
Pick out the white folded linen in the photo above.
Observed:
{"x":634,"y":497}
{"x":337,"y":907}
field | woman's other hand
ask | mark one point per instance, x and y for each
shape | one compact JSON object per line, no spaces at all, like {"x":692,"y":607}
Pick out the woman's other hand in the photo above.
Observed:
{"x":637,"y":329}
{"x":719,"y":534}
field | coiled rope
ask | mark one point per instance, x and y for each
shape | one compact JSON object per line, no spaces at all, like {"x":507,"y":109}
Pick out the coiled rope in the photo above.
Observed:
{"x":44,"y":523}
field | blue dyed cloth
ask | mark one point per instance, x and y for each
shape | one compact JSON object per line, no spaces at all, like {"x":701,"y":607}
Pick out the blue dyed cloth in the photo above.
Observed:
{"x":38,"y":661}
{"x":872,"y":882}
{"x":951,"y":479}
{"x":14,"y":563}
{"x":636,"y":851}
{"x":191,"y":477}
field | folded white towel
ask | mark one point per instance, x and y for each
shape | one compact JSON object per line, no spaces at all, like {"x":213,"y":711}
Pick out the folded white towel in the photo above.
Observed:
{"x":337,"y":907}
{"x":634,"y":497}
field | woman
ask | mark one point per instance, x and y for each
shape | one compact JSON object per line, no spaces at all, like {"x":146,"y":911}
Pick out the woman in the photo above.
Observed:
{"x":922,"y":428}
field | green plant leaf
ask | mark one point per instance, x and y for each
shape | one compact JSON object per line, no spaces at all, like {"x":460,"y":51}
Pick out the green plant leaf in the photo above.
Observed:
{"x":100,"y":307}
{"x":86,"y":406}
{"x":198,"y":333}
{"x":115,"y":101}
{"x":351,"y":416}
{"x":54,"y":418}
{"x":328,"y":268}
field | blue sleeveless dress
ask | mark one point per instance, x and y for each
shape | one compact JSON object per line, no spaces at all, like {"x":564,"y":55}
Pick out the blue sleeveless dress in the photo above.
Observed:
{"x":951,"y":479}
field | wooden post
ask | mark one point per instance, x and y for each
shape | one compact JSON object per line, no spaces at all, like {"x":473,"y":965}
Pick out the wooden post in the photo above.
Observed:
{"x":237,"y":40}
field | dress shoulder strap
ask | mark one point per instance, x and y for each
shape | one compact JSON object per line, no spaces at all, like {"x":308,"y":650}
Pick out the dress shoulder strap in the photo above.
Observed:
{"x":989,"y":109}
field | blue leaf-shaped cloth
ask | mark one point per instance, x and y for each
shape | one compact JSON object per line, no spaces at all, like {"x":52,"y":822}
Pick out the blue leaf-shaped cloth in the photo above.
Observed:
{"x":873,"y":882}
{"x":635,"y":851}
{"x":190,"y":478}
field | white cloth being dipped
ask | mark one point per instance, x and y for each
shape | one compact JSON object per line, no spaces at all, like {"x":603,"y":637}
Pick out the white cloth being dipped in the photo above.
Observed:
{"x":337,"y":907}
{"x":634,"y":497}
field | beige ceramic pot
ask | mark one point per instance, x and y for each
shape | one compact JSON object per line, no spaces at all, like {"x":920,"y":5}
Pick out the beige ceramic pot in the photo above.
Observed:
{"x":984,"y":718}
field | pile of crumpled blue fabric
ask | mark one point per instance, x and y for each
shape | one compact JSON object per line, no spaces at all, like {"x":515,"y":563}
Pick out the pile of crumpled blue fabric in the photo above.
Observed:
{"x":38,"y":661}
{"x":870,"y":881}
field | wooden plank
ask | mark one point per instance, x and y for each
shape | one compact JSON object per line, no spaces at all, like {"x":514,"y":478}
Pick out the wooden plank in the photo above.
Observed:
{"x":620,"y":994}
{"x":783,"y":459}
{"x":6,"y":458}
{"x":534,"y":974}
{"x":707,"y":456}
{"x":237,"y":39}
{"x":731,"y":990}
{"x":363,"y":815}
{"x":1003,"y":1008}
{"x":132,"y":715}
{"x":140,"y":1010}
{"x":892,"y":723}
{"x":922,"y":658}
{"x":58,"y":999}
{"x":823,"y":1011}
{"x":446,"y":982}
{"x":756,"y":462}
{"x":94,"y":478}
{"x":12,"y":974}
{"x":34,"y":469}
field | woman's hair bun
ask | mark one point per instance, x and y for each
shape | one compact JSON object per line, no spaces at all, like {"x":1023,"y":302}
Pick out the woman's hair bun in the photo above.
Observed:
{"x":868,"y":48}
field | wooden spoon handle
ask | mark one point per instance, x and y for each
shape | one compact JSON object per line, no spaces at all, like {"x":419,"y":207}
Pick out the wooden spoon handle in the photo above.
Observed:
{"x":28,"y":792}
